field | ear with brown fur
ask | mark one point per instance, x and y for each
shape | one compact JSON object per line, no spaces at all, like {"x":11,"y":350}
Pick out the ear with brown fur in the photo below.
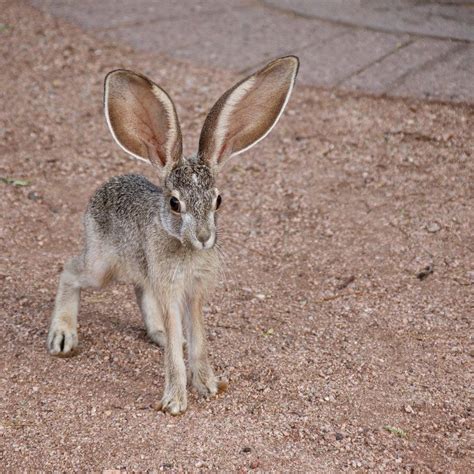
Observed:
{"x":142,"y":118}
{"x":245,"y":114}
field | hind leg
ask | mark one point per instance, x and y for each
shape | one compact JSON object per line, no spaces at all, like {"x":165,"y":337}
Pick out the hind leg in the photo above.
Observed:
{"x":62,"y":336}
{"x":151,"y":315}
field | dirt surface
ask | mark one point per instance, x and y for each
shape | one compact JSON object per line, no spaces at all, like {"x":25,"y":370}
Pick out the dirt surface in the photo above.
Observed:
{"x":342,"y":351}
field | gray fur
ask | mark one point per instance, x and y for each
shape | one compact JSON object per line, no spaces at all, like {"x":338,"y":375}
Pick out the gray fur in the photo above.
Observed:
{"x":135,"y":233}
{"x":133,"y":236}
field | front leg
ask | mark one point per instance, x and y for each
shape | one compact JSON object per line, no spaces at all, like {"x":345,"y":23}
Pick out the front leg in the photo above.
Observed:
{"x":174,"y":399}
{"x":151,"y":313}
{"x":202,"y":375}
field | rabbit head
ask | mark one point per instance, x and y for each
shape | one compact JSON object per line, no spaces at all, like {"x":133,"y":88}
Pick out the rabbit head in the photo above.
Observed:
{"x":143,"y":121}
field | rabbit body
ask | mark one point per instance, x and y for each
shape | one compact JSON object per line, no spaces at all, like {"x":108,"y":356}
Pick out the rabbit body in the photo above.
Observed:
{"x":162,"y":239}
{"x":127,"y":241}
{"x":124,"y":222}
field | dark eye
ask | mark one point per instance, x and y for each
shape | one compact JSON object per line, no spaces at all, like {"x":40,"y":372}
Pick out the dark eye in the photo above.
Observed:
{"x":174,"y":204}
{"x":218,"y":202}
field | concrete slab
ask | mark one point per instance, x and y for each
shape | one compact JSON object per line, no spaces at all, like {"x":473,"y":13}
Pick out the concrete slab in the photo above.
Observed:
{"x":400,"y":47}
{"x":390,"y":72}
{"x":236,"y":39}
{"x":101,"y":15}
{"x":442,"y":19}
{"x":451,"y":78}
{"x":336,"y":60}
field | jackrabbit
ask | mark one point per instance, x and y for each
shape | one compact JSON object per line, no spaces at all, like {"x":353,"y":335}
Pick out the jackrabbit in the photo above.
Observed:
{"x":162,"y":239}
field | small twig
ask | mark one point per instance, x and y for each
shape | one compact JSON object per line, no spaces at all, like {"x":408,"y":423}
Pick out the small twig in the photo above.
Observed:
{"x":346,"y":282}
{"x":415,"y":135}
{"x":342,"y":295}
{"x":461,"y":282}
{"x":224,"y":326}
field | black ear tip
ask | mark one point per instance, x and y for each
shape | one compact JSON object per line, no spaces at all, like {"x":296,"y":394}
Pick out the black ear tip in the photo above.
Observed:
{"x":293,"y":57}
{"x":116,"y":72}
{"x":296,"y":60}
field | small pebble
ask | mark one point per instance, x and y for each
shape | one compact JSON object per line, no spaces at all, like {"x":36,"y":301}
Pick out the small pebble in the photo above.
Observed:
{"x":433,"y":227}
{"x":422,"y":274}
{"x":254,"y":464}
{"x":33,"y":196}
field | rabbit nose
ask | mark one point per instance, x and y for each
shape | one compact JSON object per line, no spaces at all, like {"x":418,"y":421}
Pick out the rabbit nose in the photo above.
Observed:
{"x":203,"y":235}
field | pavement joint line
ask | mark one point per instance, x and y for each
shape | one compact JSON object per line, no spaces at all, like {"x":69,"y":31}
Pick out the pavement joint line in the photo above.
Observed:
{"x":408,"y":42}
{"x":339,"y":34}
{"x":131,"y":24}
{"x":287,"y":52}
{"x":284,"y":11}
{"x":447,"y":17}
{"x":361,"y":27}
{"x":426,"y":65}
{"x":399,"y":81}
{"x":388,"y":69}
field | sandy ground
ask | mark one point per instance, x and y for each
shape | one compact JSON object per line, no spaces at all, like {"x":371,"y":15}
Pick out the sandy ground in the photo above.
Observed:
{"x":339,"y":353}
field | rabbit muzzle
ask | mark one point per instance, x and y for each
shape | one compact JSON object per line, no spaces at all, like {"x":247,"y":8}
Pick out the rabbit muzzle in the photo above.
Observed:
{"x":201,"y":235}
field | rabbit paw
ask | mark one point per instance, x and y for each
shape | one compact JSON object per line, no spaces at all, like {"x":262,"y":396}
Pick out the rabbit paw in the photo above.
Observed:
{"x":174,"y":404}
{"x":158,"y":337}
{"x":207,"y":384}
{"x":62,"y":339}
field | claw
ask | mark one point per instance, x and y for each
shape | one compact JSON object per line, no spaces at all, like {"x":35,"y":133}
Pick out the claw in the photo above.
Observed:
{"x":62,"y":342}
{"x":173,"y":406}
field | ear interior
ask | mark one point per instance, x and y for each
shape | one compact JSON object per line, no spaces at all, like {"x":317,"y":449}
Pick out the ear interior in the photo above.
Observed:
{"x":142,"y":118}
{"x":245,"y":114}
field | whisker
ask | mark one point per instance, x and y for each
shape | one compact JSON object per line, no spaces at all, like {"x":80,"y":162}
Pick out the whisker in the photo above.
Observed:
{"x":222,"y":267}
{"x":238,"y":244}
{"x":176,"y":269}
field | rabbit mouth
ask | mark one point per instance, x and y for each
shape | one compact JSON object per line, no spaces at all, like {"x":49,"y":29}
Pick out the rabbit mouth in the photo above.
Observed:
{"x":197,"y":244}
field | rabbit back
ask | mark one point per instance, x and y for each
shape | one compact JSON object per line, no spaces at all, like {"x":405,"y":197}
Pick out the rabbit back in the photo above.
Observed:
{"x":121,"y":220}
{"x":123,"y":205}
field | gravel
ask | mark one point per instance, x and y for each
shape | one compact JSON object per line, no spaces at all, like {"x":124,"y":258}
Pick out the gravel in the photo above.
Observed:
{"x":320,"y":324}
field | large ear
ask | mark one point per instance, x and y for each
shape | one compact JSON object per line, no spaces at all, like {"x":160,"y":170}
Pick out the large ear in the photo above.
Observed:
{"x":245,"y":114}
{"x":142,"y":118}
